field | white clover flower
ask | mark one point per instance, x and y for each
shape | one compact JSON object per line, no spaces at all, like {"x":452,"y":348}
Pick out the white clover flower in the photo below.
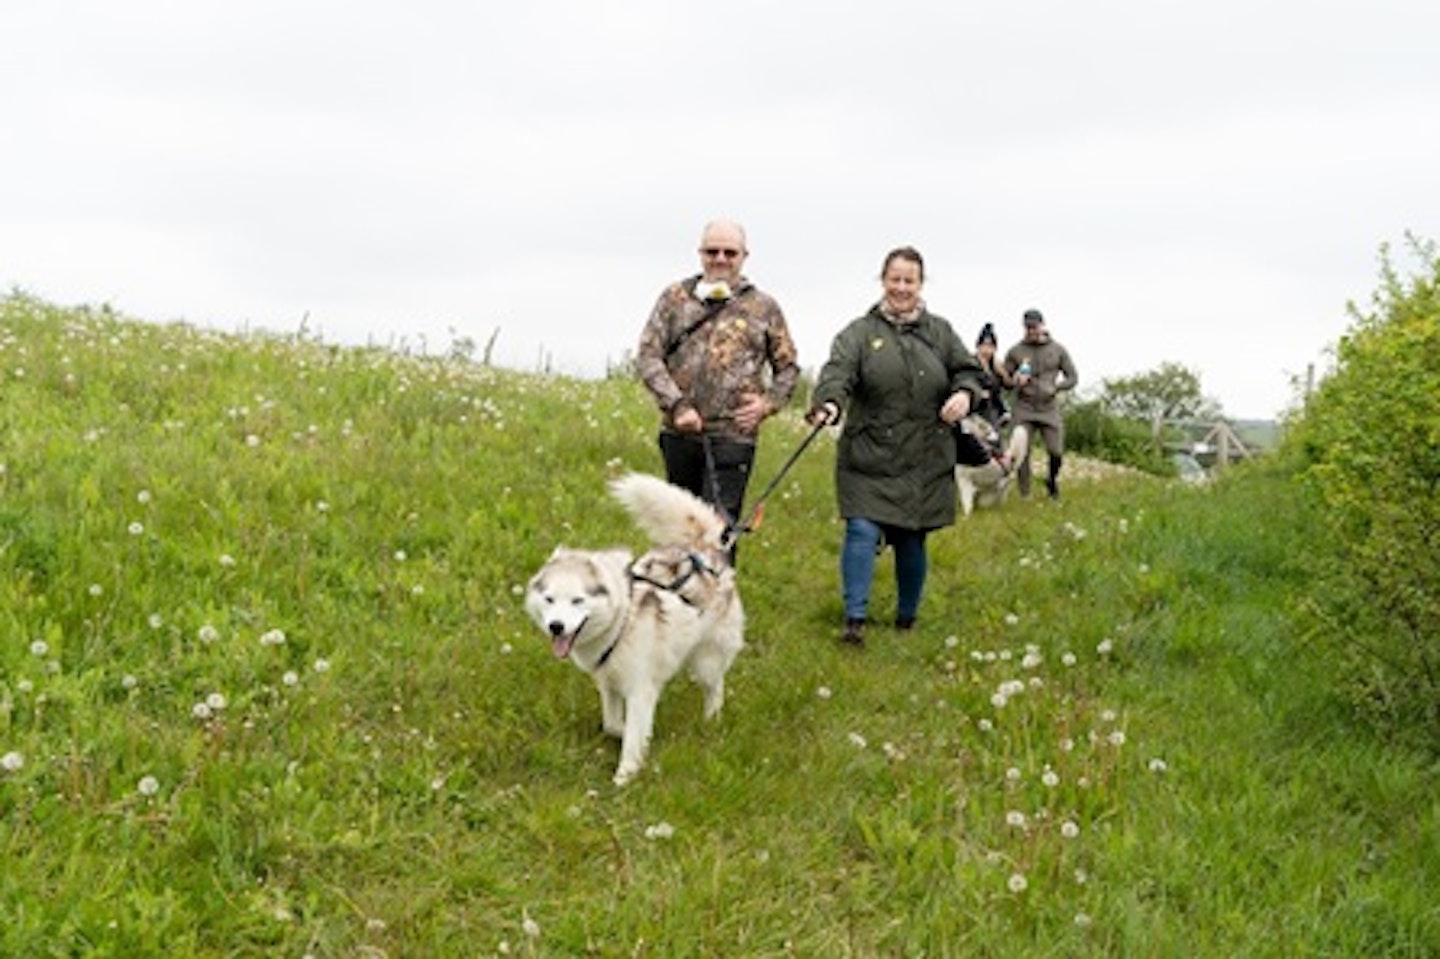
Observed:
{"x":323,"y":665}
{"x":661,"y":830}
{"x":207,"y":633}
{"x":148,"y":786}
{"x":1069,"y":829}
{"x":823,"y":692}
{"x":1017,"y":883}
{"x":291,"y":678}
{"x":135,"y":529}
{"x":39,"y":648}
{"x":12,"y":761}
{"x":216,"y":701}
{"x":1158,"y":765}
{"x":857,"y":740}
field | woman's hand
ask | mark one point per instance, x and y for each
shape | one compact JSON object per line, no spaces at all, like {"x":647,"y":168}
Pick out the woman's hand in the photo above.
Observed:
{"x":956,"y":408}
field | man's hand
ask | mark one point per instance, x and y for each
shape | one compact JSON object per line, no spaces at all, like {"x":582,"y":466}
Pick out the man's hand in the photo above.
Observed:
{"x":688,"y":420}
{"x":751,"y":412}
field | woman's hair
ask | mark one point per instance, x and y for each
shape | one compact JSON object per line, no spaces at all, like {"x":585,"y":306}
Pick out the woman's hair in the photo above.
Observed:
{"x":904,"y":253}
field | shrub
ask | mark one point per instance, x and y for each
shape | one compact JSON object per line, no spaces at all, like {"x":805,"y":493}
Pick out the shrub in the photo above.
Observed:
{"x":1369,"y":442}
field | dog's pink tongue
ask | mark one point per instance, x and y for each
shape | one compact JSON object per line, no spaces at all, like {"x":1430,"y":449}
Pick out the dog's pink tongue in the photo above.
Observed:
{"x":561,"y":646}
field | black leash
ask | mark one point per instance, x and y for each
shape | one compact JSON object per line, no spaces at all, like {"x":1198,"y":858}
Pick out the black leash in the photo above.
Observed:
{"x":735,"y":532}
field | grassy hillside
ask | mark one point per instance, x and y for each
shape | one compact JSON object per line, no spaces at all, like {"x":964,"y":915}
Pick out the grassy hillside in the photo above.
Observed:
{"x":266,"y":689}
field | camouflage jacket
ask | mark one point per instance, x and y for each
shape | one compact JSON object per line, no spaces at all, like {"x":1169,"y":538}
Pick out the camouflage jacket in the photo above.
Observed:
{"x":744,"y":347}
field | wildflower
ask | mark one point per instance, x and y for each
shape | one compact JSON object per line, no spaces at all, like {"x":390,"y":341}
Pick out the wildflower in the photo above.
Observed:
{"x":517,"y":590}
{"x":1068,"y":659}
{"x":207,"y":633}
{"x":135,"y":529}
{"x":1105,"y":646}
{"x":143,"y":496}
{"x":291,"y":678}
{"x":1108,"y":716}
{"x":12,"y":762}
{"x":1067,"y":745}
{"x":857,"y":740}
{"x":148,"y":786}
{"x":1082,"y":920}
{"x":1069,"y":829}
{"x":96,"y":589}
{"x":1158,"y":765}
{"x":506,"y":649}
{"x":1011,"y":619}
{"x":39,"y":648}
{"x":1017,"y":883}
{"x":226,"y":560}
{"x":1116,"y":737}
{"x":1144,"y":568}
{"x":1050,"y":778}
{"x":128,"y":682}
{"x":661,"y":830}
{"x":322,"y":665}
{"x":25,"y":686}
{"x":155,"y":620}
{"x":321,"y":506}
{"x":1015,"y":819}
{"x":531,"y":927}
{"x":273,"y":637}
{"x":216,"y":701}
{"x":252,"y":441}
{"x":823,"y":692}
{"x":1031,"y":661}
{"x":984,"y":725}
{"x":400,"y":556}
{"x":201,"y":711}
{"x":1013,"y":774}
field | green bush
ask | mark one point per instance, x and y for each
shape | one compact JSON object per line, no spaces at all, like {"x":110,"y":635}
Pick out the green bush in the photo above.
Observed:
{"x":1091,"y":431}
{"x":1369,"y":439}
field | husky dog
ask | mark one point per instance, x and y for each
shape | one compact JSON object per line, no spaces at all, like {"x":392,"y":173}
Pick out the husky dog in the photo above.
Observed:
{"x":988,"y":485}
{"x":632,"y":624}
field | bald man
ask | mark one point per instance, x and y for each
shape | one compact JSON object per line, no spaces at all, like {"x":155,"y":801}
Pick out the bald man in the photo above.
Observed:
{"x":718,"y":358}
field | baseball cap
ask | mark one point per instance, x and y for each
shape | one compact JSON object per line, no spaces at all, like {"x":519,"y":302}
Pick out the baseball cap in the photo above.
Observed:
{"x":1033,"y":318}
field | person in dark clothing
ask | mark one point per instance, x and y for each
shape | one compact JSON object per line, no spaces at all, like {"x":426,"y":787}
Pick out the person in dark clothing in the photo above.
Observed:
{"x":903,"y":378}
{"x":978,"y":437}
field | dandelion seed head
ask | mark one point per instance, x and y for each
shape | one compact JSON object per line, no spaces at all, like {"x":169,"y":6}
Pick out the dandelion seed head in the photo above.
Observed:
{"x":1015,"y":819}
{"x":1017,"y":883}
{"x":148,"y":786}
{"x":207,"y":633}
{"x":1011,"y":619}
{"x":96,"y":589}
{"x":12,"y":761}
{"x":1069,"y":829}
{"x":857,"y":740}
{"x":128,"y":682}
{"x":216,"y":701}
{"x":135,"y":529}
{"x":661,"y":830}
{"x":39,"y":648}
{"x":322,"y":665}
{"x":1067,"y":659}
{"x":155,"y":620}
{"x":226,"y":560}
{"x":143,"y":496}
{"x":290,"y":678}
{"x":823,"y":692}
{"x":201,"y":711}
{"x":1050,"y":778}
{"x":1105,"y":646}
{"x":1158,"y":765}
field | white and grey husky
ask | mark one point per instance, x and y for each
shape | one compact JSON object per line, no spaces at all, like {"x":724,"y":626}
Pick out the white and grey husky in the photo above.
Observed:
{"x":988,"y":485}
{"x":632,"y":624}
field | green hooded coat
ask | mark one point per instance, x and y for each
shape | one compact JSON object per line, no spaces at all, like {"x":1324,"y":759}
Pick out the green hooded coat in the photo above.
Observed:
{"x":896,"y":459}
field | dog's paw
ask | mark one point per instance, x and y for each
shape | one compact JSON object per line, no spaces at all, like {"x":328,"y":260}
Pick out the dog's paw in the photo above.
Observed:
{"x":622,"y":776}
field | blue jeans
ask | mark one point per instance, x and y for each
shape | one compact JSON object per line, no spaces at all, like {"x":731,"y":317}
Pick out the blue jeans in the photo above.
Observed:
{"x":857,"y":566}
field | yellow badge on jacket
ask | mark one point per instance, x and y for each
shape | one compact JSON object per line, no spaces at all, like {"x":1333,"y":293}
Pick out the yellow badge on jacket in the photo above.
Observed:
{"x":877,"y":343}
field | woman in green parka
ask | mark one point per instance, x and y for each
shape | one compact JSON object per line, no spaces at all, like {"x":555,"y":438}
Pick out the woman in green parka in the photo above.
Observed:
{"x":902,"y":377}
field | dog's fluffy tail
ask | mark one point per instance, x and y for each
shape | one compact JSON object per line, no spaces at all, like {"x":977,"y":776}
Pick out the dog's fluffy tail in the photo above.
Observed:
{"x":669,"y":515}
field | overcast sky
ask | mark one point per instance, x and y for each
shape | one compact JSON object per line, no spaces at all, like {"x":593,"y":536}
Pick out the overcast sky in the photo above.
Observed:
{"x":1200,"y":183}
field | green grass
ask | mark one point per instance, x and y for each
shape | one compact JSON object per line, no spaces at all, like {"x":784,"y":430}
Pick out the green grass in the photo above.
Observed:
{"x":283,"y":579}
